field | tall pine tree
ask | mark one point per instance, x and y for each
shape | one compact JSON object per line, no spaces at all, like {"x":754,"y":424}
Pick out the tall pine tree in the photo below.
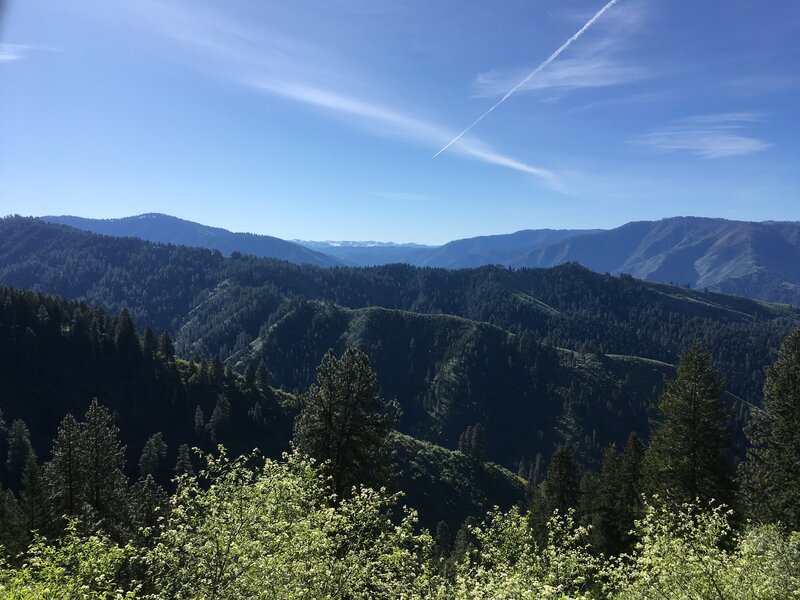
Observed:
{"x":345,"y":422}
{"x":771,"y":475}
{"x":686,"y":459}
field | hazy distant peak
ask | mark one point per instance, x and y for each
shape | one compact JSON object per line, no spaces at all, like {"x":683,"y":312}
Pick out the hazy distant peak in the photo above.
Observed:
{"x":356,"y":244}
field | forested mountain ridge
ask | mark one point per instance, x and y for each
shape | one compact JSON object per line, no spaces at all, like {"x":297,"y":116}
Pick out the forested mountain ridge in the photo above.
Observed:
{"x":56,"y":356}
{"x":758,"y":260}
{"x":156,"y":227}
{"x":476,"y":360}
{"x":216,"y":305}
{"x":450,"y":373}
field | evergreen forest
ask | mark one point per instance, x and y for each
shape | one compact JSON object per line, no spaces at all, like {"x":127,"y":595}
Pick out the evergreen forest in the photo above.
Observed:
{"x":175,"y":423}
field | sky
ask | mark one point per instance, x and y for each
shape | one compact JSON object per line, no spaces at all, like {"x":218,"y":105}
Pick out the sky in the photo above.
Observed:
{"x":320,"y":119}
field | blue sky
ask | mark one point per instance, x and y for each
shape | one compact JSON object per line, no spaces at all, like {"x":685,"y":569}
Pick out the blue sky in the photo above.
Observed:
{"x":319,"y":119}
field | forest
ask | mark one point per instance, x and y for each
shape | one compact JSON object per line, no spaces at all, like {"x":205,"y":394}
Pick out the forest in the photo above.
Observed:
{"x":176,"y":424}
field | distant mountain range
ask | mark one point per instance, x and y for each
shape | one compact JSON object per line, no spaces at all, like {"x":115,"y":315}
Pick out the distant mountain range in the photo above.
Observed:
{"x":756,"y":260}
{"x":155,"y":227}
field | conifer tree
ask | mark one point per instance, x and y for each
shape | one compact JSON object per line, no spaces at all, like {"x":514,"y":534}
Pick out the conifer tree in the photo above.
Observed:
{"x":165,"y":346}
{"x":102,"y":457}
{"x":33,"y":499}
{"x":561,"y":484}
{"x":249,"y":376}
{"x":126,"y":339}
{"x":63,"y":474}
{"x":149,"y":344}
{"x":183,"y":466}
{"x":12,"y":537}
{"x":617,"y":502}
{"x":199,"y":422}
{"x":477,"y":448}
{"x":262,"y":376}
{"x":19,"y":449}
{"x":686,"y":459}
{"x":220,"y":418}
{"x":151,"y":461}
{"x":771,"y":475}
{"x":345,"y":422}
{"x":559,"y":491}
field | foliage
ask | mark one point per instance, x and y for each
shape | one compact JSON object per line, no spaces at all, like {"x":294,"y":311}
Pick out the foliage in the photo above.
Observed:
{"x":694,"y":553}
{"x":509,"y":563}
{"x":345,"y":423}
{"x":771,"y":475}
{"x":74,"y":566}
{"x":686,"y":458}
{"x":270,"y":531}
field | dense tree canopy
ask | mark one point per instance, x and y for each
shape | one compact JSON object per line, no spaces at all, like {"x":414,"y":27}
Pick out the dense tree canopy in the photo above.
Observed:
{"x":345,"y":423}
{"x":688,"y":455}
{"x":771,"y":475}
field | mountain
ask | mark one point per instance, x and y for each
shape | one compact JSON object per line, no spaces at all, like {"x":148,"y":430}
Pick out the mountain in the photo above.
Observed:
{"x":493,"y":249}
{"x":468,"y":252}
{"x":368,"y":254}
{"x":156,"y":227}
{"x":757,"y":260}
{"x":218,"y":306}
{"x":55,"y":356}
{"x":536,"y":356}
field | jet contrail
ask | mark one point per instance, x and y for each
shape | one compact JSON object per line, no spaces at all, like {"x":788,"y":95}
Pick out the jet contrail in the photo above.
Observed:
{"x":533,"y":73}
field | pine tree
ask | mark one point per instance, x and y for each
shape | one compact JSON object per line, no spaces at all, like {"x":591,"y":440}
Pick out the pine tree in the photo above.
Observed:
{"x":472,"y":442}
{"x":149,"y":345}
{"x":561,"y":484}
{"x":686,"y":459}
{"x":19,"y":449}
{"x":148,"y":502}
{"x":477,"y":447}
{"x":345,"y":422}
{"x":165,"y":346}
{"x":126,"y":339}
{"x":151,"y":461}
{"x":33,"y":499}
{"x":102,"y":459}
{"x":262,"y":376}
{"x":63,"y":474}
{"x":249,"y":376}
{"x":199,"y":422}
{"x":183,"y":466}
{"x":12,"y":533}
{"x":220,"y":418}
{"x":617,"y":502}
{"x":558,"y":492}
{"x":771,"y":475}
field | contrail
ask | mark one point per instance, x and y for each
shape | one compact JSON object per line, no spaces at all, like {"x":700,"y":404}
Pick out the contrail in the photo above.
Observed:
{"x":533,"y":73}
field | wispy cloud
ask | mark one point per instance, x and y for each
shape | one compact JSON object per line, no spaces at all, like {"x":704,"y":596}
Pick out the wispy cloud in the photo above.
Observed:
{"x":15,"y":52}
{"x":593,"y":64}
{"x":708,"y":136}
{"x":12,"y":52}
{"x":270,"y":63}
{"x":567,"y":74}
{"x":389,"y":122}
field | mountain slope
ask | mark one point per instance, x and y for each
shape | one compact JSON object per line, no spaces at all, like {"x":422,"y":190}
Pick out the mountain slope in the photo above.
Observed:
{"x":156,"y":227}
{"x":449,"y":373}
{"x":758,"y":260}
{"x":55,"y":356}
{"x":217,"y":306}
{"x":467,"y":252}
{"x":493,"y":249}
{"x":368,"y":254}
